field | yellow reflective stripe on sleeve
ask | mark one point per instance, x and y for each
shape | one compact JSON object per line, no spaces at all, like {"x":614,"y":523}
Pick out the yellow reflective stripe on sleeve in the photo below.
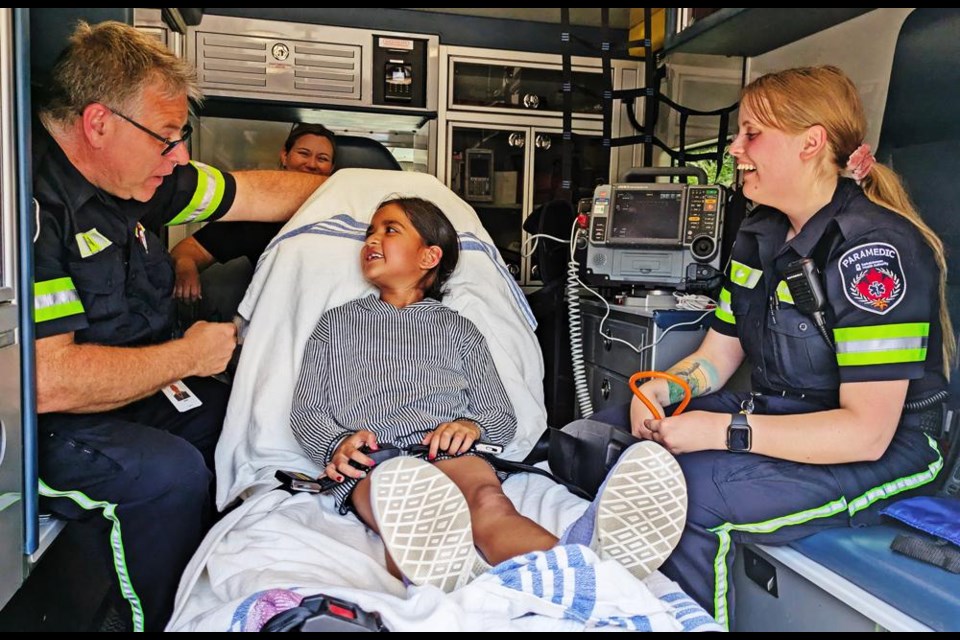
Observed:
{"x":783,"y":292}
{"x":882,"y":344}
{"x":55,"y":299}
{"x":724,"y":311}
{"x":743,"y":275}
{"x":898,"y":356}
{"x":206,"y":198}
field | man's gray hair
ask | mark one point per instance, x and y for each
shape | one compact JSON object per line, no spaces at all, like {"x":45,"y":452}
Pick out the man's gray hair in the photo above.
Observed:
{"x":112,"y":63}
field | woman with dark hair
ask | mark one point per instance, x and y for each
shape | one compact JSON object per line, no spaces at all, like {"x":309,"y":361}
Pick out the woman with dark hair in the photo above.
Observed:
{"x":310,"y":148}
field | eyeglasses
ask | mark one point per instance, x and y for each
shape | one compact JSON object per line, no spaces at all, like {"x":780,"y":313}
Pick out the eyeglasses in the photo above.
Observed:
{"x":170,"y":144}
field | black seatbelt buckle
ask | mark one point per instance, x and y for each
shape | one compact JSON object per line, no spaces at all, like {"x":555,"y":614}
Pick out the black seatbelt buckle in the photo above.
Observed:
{"x":297,"y":482}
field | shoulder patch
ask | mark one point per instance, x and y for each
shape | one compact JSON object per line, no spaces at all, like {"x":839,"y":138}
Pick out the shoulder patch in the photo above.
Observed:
{"x":872,"y":277}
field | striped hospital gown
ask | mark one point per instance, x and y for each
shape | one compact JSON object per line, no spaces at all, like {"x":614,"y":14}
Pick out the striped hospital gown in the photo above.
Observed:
{"x":399,"y":373}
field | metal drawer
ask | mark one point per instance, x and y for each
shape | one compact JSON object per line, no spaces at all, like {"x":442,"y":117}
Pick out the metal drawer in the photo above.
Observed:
{"x":617,"y":356}
{"x":607,"y":389}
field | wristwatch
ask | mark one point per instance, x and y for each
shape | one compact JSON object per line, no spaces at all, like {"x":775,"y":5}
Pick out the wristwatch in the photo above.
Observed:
{"x":739,"y":435}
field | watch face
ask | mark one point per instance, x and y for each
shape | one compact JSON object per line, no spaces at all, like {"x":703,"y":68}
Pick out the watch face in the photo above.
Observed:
{"x":738,"y":438}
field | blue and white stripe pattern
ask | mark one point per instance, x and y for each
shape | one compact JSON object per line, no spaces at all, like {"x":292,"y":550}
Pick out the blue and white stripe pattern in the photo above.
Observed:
{"x":345,"y":226}
{"x":565,"y":581}
{"x":691,"y":615}
{"x":399,"y":373}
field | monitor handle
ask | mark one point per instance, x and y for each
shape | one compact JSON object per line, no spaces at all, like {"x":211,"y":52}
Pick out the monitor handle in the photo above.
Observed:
{"x":642,"y":174}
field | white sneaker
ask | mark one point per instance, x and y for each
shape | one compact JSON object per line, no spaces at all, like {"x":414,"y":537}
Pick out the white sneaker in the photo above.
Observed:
{"x":639,"y":513}
{"x":424,"y":521}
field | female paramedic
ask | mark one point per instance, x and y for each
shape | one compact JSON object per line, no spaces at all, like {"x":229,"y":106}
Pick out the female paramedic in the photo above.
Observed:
{"x":845,"y":359}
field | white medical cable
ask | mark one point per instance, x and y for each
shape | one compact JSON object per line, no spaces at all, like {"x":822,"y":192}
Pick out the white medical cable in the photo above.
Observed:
{"x":693,"y":301}
{"x":536,"y":238}
{"x":652,"y":344}
{"x":685,"y":301}
{"x":581,"y":388}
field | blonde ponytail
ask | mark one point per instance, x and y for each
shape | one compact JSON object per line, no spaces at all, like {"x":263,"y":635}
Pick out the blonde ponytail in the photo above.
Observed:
{"x":796,"y":99}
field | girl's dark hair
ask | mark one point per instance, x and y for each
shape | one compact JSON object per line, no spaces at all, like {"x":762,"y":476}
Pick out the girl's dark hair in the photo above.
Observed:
{"x":435,"y":229}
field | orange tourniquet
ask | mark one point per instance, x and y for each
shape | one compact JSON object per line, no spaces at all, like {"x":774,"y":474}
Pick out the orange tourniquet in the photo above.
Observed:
{"x":660,"y":374}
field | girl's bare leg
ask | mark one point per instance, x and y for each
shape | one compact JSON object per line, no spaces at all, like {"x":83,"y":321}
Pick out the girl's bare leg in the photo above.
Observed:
{"x":499,"y":531}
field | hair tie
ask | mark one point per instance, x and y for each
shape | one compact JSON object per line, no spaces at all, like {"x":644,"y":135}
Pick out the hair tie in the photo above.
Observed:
{"x":860,"y":163}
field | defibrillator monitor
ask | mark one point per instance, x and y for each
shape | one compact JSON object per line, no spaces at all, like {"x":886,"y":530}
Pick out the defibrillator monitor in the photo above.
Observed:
{"x":657,"y":234}
{"x":641,"y":215}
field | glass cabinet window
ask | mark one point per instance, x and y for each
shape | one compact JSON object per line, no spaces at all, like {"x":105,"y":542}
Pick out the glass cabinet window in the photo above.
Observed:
{"x":523,"y":88}
{"x":487,"y":170}
{"x":590,"y":166}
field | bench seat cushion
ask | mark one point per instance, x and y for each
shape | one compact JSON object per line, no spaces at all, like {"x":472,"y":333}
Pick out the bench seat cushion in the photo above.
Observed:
{"x":863,"y":556}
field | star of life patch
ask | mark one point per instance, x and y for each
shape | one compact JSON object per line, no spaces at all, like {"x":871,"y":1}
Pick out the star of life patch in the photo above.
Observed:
{"x":872,"y":277}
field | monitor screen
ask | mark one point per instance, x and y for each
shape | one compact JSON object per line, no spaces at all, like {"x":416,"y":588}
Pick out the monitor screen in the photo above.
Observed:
{"x":642,"y":216}
{"x":479,"y":166}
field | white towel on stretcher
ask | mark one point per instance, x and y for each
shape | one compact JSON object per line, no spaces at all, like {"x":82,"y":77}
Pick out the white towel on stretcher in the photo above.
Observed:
{"x":314,"y":265}
{"x":275,"y":549}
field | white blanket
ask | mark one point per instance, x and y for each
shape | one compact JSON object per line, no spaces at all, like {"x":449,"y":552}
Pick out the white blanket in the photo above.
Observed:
{"x":274,"y":548}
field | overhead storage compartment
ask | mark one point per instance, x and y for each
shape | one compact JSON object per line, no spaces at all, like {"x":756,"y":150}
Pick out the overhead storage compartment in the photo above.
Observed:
{"x":315,"y":65}
{"x":273,"y":66}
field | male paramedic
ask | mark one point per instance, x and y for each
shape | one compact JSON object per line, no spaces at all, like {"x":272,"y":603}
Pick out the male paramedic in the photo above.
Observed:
{"x":119,"y":448}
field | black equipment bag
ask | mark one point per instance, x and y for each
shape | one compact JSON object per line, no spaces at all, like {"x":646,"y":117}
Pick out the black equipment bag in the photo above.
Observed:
{"x":582,"y":453}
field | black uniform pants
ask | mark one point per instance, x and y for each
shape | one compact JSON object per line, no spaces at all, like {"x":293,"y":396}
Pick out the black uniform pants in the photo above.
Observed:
{"x":142,"y":475}
{"x":735,"y":498}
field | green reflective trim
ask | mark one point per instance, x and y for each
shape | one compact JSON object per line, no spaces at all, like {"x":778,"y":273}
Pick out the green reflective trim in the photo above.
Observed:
{"x":907,"y":483}
{"x":55,"y":312}
{"x":721,"y":577}
{"x":721,"y":611}
{"x":895,"y":356}
{"x":53,"y":286}
{"x":108,"y":511}
{"x":206,"y":198}
{"x":743,"y":275}
{"x":875,"y":332}
{"x":54,"y":299}
{"x":835,"y":507}
{"x":726,"y":317}
{"x":724,"y":311}
{"x":783,"y":292}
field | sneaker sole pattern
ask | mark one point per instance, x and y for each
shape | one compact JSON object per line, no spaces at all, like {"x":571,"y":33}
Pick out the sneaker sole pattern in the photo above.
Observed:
{"x":642,"y":510}
{"x":424,"y":522}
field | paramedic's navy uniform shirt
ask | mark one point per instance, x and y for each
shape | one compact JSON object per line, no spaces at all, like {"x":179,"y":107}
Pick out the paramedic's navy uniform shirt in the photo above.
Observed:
{"x":235,"y":239}
{"x":102,"y":270}
{"x":883,"y":310}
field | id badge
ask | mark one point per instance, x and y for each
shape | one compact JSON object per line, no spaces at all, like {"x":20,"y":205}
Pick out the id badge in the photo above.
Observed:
{"x":181,"y":397}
